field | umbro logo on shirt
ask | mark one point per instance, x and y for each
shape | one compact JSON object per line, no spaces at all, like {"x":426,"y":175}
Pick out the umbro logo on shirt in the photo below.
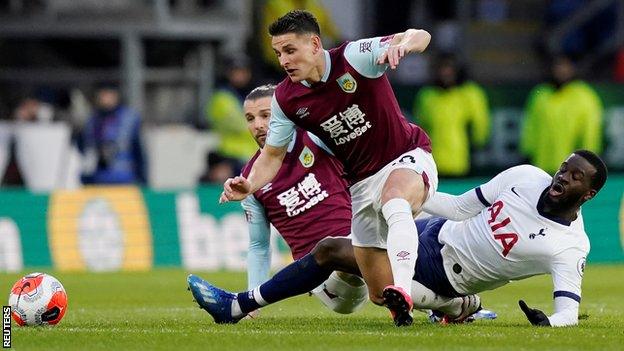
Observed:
{"x":403,"y":256}
{"x":302,"y":112}
{"x":267,"y":188}
{"x":541,"y":233}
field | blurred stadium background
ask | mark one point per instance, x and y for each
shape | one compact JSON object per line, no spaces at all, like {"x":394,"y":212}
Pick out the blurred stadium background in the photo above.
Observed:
{"x":169,"y":60}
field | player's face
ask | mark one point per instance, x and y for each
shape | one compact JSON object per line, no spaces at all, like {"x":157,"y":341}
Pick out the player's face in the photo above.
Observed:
{"x":257,"y":114}
{"x":297,"y":54}
{"x":572,"y":183}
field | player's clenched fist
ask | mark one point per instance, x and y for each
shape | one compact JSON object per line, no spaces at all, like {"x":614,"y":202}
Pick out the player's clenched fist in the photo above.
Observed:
{"x":235,"y":189}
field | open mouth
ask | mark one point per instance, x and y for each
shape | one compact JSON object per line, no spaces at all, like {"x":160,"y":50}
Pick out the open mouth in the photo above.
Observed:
{"x":290,"y":71}
{"x":261,"y":136}
{"x":556,"y":189}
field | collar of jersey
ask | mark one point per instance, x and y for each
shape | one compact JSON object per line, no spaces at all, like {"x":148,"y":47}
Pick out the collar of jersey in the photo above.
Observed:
{"x":546,"y":215}
{"x":325,"y":76}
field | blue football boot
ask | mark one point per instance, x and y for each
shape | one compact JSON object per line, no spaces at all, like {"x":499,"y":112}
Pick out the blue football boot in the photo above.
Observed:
{"x":217,"y":302}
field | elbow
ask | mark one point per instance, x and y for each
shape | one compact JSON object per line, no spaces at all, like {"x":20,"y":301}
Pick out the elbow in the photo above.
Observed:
{"x":259,"y":246}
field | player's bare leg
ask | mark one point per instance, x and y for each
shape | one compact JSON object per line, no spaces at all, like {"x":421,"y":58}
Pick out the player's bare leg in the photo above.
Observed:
{"x":336,"y":254}
{"x":402,"y":196}
{"x":375,"y":268}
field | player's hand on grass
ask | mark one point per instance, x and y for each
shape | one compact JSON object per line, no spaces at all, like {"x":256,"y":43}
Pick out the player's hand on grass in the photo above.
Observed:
{"x":535,"y":316}
{"x":235,"y":189}
{"x":392,"y":56}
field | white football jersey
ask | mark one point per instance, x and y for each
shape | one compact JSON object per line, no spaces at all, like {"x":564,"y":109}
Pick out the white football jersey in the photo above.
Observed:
{"x":509,"y":239}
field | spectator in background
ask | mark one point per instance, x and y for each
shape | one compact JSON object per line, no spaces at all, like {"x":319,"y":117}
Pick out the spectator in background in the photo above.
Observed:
{"x":273,"y":9}
{"x":111,"y":141}
{"x":32,"y":109}
{"x":455,"y":114}
{"x":224,"y":112}
{"x":561,"y":116}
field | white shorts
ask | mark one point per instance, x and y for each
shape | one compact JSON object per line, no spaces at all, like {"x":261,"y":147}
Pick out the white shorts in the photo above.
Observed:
{"x":368,"y":227}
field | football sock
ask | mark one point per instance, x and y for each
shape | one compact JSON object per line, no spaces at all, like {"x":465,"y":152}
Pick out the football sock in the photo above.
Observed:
{"x":297,"y":278}
{"x":402,"y":241}
{"x":425,"y":298}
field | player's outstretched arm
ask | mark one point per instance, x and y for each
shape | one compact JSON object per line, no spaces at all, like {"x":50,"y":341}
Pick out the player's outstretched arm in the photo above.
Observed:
{"x":259,"y":252}
{"x":263,"y":171}
{"x":453,"y":207}
{"x":410,"y":41}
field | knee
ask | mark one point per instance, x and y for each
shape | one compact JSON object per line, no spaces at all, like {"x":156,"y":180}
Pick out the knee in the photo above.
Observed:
{"x":393,"y":193}
{"x":324,"y":252}
{"x":409,"y":186}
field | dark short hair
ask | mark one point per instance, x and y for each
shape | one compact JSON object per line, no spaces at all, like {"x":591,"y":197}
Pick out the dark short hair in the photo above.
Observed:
{"x":296,"y":21}
{"x":266,"y":90}
{"x":599,"y":179}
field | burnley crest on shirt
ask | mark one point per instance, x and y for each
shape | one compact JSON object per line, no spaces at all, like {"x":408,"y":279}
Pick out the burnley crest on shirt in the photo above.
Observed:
{"x":306,"y":157}
{"x":347,"y":83}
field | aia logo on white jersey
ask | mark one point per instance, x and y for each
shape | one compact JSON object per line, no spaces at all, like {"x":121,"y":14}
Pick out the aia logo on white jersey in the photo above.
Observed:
{"x":302,"y":112}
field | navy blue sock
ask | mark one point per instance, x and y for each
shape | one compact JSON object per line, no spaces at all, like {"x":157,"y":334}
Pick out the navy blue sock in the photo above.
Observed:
{"x":295,"y":279}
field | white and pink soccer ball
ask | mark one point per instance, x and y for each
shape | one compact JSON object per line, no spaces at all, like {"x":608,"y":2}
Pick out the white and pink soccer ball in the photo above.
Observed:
{"x":38,"y":299}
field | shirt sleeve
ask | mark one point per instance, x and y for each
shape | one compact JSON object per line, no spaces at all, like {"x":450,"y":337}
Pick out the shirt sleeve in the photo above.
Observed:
{"x":491,"y":190}
{"x":363,"y":54}
{"x":259,"y":253}
{"x":454,"y":207}
{"x":567,"y":273}
{"x":470,"y":203}
{"x":281,"y":129}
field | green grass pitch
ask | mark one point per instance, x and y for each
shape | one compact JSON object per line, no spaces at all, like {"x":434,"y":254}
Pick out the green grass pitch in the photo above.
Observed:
{"x":153,"y":311}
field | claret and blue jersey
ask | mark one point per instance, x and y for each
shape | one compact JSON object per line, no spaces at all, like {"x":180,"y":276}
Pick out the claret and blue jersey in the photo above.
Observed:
{"x":306,"y":202}
{"x":352,"y":109}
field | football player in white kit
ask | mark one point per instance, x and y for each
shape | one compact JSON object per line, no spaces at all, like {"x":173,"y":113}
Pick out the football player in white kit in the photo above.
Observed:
{"x":521,"y":223}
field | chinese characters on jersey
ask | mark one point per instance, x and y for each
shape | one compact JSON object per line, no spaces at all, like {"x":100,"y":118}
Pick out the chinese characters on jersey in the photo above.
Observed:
{"x":347,"y":125}
{"x":302,"y":196}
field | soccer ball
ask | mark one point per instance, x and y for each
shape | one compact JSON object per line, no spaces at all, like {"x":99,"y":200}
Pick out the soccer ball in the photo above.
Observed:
{"x":38,"y":299}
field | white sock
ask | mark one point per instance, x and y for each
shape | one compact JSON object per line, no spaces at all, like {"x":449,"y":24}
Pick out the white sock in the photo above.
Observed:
{"x":425,"y":298}
{"x":402,"y":241}
{"x":236,"y":309}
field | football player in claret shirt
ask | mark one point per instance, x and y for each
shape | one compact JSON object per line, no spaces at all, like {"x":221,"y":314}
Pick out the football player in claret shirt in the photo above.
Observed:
{"x":343,"y":96}
{"x":306,"y":202}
